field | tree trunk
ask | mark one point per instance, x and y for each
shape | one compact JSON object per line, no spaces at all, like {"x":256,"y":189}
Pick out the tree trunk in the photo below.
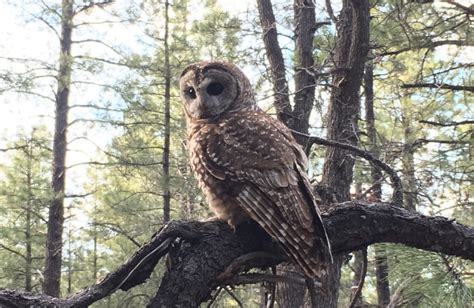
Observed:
{"x":167,"y":133}
{"x":290,"y":294}
{"x":52,"y":271}
{"x":29,"y":204}
{"x":305,"y":82}
{"x":358,"y":255}
{"x":277,"y":64}
{"x":358,"y":264}
{"x":381,"y":264}
{"x":69,"y":261}
{"x":351,"y":50}
{"x":350,"y":55}
{"x":408,"y":166}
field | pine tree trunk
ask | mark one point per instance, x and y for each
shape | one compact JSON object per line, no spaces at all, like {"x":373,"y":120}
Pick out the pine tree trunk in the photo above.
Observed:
{"x":275,"y":58}
{"x":408,"y":168}
{"x":358,"y":261}
{"x":358,"y":255}
{"x":305,"y":82}
{"x":52,"y":271}
{"x":351,"y":51}
{"x":305,"y":26}
{"x":381,"y":264}
{"x":29,"y":203}
{"x":69,"y":262}
{"x":290,"y":294}
{"x":167,"y":133}
{"x":350,"y":55}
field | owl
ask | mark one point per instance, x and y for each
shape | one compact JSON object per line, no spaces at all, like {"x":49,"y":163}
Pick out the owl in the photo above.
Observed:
{"x":248,"y":164}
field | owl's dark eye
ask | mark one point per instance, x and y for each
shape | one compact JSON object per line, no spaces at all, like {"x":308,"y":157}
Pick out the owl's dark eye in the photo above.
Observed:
{"x":215,"y":88}
{"x":191,"y":92}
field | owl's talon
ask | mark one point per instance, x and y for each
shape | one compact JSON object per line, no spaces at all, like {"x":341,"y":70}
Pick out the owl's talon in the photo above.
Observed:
{"x":212,"y":219}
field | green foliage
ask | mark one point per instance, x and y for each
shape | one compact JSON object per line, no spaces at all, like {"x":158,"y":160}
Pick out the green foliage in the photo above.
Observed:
{"x":425,"y":279}
{"x":216,"y":33}
{"x":24,"y":196}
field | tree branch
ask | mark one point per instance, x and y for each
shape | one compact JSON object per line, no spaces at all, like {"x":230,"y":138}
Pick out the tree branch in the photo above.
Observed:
{"x":429,"y":45}
{"x":362,"y":279}
{"x":449,"y":123}
{"x":201,"y":251}
{"x":330,"y":11}
{"x":397,"y":196}
{"x":438,"y":86}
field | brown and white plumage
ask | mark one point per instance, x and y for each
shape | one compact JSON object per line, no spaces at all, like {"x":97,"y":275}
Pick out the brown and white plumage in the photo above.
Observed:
{"x":248,"y":164}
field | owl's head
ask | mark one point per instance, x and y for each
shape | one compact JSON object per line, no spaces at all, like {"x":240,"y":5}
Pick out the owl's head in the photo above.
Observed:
{"x":209,"y":89}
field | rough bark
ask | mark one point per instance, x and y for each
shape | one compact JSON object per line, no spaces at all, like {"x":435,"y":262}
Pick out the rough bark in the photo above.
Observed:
{"x":305,"y":81}
{"x":225,"y":253}
{"x":343,"y":112}
{"x":29,"y":204}
{"x":277,"y":64}
{"x":357,"y":268}
{"x":381,"y":264}
{"x":167,"y":125}
{"x":408,"y":165}
{"x":52,"y":271}
{"x":290,"y":295}
{"x":351,"y":50}
{"x":191,"y":280}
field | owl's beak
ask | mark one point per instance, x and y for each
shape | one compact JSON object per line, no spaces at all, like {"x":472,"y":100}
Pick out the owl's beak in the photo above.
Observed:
{"x":199,"y":108}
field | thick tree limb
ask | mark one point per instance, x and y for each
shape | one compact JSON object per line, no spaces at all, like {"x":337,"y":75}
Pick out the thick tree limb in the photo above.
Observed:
{"x":206,"y":250}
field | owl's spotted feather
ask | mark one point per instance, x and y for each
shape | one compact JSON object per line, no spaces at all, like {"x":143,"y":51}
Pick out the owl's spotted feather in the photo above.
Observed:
{"x":248,"y":164}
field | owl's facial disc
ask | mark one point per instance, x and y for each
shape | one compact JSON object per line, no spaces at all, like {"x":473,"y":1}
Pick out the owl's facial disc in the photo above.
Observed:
{"x":210,"y":95}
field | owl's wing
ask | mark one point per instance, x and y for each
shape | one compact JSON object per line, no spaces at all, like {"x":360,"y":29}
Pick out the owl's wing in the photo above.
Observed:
{"x":260,"y":152}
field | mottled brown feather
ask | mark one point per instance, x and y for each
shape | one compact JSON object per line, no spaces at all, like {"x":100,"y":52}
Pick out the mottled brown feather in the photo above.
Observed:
{"x":249,"y":165}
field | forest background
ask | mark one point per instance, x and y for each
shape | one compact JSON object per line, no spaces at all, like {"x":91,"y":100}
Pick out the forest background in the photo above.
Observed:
{"x":125,"y":171}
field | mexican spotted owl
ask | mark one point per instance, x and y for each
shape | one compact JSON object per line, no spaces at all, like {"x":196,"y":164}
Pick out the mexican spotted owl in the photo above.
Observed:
{"x":248,"y":164}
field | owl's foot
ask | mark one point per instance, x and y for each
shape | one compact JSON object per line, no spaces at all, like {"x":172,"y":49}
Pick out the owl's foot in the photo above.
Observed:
{"x":213,"y":218}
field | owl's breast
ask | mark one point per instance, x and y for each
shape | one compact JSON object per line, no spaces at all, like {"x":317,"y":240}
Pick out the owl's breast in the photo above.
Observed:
{"x":220,"y":192}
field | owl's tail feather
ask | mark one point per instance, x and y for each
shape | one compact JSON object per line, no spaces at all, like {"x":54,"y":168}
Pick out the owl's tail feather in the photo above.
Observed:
{"x":309,"y":252}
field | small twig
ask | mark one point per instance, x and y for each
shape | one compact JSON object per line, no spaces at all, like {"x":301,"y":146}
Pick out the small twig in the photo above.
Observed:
{"x":449,"y":123}
{"x":438,"y":86}
{"x":158,"y":250}
{"x":368,"y":190}
{"x":362,"y":279}
{"x":397,"y":196}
